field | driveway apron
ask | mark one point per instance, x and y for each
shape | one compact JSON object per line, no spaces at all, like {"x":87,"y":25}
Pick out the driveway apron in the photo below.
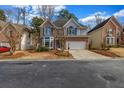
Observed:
{"x":86,"y":55}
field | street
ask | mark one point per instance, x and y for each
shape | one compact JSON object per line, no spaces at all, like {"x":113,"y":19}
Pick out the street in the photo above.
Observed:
{"x":62,"y":74}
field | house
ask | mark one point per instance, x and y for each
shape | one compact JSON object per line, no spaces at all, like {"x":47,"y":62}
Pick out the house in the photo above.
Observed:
{"x":122,"y":37}
{"x":107,"y":33}
{"x":14,"y":35}
{"x":63,"y":34}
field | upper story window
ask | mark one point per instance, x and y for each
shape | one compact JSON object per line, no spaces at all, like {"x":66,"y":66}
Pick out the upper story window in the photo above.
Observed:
{"x":10,"y":32}
{"x":110,"y":32}
{"x":71,"y":31}
{"x":47,"y":31}
{"x":118,"y":34}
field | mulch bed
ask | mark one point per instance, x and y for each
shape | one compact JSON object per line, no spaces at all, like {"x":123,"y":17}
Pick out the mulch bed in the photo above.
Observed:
{"x":62,"y":54}
{"x":105,"y":53}
{"x":15,"y":55}
{"x":51,"y":54}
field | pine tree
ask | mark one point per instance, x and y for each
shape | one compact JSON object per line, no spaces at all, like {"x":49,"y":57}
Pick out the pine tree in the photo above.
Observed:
{"x":2,"y":15}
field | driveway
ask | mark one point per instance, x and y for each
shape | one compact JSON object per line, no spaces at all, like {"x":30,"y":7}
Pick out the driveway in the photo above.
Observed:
{"x":86,"y":55}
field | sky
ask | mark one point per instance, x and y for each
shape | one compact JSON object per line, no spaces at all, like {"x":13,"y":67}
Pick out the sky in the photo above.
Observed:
{"x":84,"y":13}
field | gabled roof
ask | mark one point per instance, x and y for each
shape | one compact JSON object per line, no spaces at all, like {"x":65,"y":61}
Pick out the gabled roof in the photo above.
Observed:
{"x":72,"y":19}
{"x":21,"y":28}
{"x":100,"y":25}
{"x":61,"y":22}
{"x":104,"y":22}
{"x":18,"y":27}
{"x":47,"y":21}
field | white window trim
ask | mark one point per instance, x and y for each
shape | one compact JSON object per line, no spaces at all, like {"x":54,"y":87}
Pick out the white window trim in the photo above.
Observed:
{"x":51,"y":39}
{"x":71,"y":34}
{"x":47,"y":31}
{"x":110,"y":42}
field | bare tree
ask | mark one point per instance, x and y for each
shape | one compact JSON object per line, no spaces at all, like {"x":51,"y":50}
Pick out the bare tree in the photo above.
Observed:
{"x":89,"y":26}
{"x":21,"y":13}
{"x":12,"y":36}
{"x":9,"y":15}
{"x":18,"y":14}
{"x":98,"y":19}
{"x":47,"y":11}
{"x":24,"y":14}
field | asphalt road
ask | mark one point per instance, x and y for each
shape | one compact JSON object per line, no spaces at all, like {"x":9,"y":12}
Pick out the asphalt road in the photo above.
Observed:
{"x":62,"y":74}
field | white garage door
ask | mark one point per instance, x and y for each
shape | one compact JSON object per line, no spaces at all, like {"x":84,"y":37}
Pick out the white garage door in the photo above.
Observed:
{"x":76,"y":44}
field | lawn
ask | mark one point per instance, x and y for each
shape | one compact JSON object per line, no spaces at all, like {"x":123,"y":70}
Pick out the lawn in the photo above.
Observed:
{"x":118,"y":51}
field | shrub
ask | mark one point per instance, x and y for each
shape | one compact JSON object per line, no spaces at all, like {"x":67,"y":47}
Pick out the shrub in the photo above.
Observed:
{"x":41,"y":49}
{"x":63,"y":53}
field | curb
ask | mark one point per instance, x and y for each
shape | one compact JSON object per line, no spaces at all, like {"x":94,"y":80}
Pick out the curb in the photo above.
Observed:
{"x":56,"y":60}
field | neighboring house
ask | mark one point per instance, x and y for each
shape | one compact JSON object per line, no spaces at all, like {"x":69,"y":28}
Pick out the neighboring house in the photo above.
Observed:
{"x":122,"y":37}
{"x":63,"y":34}
{"x":107,"y":33}
{"x":14,"y":34}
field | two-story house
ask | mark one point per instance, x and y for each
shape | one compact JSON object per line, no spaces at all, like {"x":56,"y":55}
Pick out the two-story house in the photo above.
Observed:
{"x":107,"y":33}
{"x":63,"y":34}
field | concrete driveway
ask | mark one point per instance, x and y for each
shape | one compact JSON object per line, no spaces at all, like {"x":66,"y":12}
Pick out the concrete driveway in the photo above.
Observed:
{"x":86,"y":55}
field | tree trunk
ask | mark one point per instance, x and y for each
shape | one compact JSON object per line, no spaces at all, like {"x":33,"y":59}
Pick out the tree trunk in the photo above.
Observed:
{"x":63,"y":43}
{"x":38,"y":39}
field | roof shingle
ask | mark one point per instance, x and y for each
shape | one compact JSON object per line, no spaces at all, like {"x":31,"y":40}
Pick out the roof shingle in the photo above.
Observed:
{"x":60,"y":22}
{"x":100,"y":25}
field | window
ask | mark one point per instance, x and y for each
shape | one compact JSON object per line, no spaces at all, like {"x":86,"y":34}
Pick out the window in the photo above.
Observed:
{"x":48,"y":31}
{"x":48,"y":42}
{"x":110,"y":32}
{"x":118,"y":34}
{"x":110,"y":40}
{"x":47,"y":38}
{"x":71,"y":31}
{"x":11,"y":33}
